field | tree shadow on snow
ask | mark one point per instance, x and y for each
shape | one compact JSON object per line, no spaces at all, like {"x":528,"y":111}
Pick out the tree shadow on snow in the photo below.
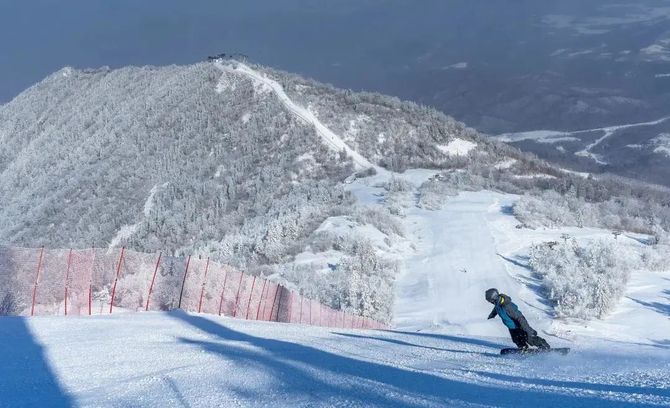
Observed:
{"x":457,"y":339}
{"x":627,"y":389}
{"x":658,"y":307}
{"x":302,"y":372}
{"x":26,"y":380}
{"x":532,"y":282}
{"x":408,"y":344}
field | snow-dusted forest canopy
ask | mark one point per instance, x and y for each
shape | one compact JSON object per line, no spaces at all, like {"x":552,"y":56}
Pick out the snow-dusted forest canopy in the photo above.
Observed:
{"x":190,"y":159}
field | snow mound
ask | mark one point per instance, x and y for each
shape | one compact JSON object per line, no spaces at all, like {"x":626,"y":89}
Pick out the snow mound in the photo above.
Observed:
{"x":457,"y":147}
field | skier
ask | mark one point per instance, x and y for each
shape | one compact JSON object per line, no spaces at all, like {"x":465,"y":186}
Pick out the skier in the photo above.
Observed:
{"x":522,"y":334}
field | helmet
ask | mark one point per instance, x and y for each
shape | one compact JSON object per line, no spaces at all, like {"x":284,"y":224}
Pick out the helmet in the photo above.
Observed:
{"x":492,"y":295}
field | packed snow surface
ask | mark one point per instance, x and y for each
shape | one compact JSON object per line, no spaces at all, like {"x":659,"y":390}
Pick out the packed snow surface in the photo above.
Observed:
{"x":182,"y":360}
{"x":442,"y":352}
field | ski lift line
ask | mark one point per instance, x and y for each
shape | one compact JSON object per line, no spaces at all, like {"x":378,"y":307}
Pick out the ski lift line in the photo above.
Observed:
{"x":327,"y":135}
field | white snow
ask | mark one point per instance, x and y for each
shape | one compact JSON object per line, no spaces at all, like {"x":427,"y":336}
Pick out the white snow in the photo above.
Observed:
{"x":506,"y":164}
{"x":124,"y":233}
{"x":582,"y":174}
{"x":457,"y":147}
{"x":459,"y":65}
{"x":578,"y":53}
{"x":442,"y":352}
{"x":661,"y":144}
{"x":553,"y":136}
{"x":541,"y":136}
{"x":608,"y":132}
{"x":127,"y":231}
{"x":261,"y":81}
{"x":657,"y":52}
{"x":558,"y":52}
{"x":534,"y":176}
{"x":181,"y":360}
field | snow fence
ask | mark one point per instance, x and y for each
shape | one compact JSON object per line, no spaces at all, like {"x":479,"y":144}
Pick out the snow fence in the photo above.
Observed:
{"x":98,"y":281}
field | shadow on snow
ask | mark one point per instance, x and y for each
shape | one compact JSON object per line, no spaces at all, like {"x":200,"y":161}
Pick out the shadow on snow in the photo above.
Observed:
{"x":408,"y":344}
{"x":658,"y":307}
{"x":26,"y":380}
{"x":301,"y":371}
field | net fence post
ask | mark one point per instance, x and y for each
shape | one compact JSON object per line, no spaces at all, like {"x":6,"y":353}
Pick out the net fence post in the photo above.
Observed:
{"x":202,"y":290}
{"x":153,"y":279}
{"x":37,"y":278}
{"x":90,"y":283}
{"x":183,"y":282}
{"x":116,"y":279}
{"x":251,"y":293}
{"x":258,"y":309}
{"x":67,"y":275}
{"x":225,"y":278}
{"x":237,"y":296}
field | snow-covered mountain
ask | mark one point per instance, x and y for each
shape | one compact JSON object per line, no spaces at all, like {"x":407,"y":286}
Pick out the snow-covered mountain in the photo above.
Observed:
{"x":383,"y":208}
{"x":242,"y":164}
{"x":260,"y":169}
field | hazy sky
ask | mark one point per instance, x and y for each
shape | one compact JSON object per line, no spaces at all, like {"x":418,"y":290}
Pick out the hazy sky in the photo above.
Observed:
{"x":38,"y":37}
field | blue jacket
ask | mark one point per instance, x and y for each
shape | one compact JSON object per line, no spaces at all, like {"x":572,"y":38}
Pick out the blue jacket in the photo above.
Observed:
{"x":510,"y":314}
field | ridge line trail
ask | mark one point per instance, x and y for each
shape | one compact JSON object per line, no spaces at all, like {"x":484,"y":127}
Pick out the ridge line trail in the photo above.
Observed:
{"x":443,"y":282}
{"x":329,"y":137}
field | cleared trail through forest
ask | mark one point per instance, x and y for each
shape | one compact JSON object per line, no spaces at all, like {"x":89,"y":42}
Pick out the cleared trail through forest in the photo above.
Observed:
{"x":456,"y":260}
{"x":329,"y":137}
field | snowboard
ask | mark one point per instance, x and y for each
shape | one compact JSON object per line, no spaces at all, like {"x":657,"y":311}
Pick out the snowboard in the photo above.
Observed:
{"x":530,"y":351}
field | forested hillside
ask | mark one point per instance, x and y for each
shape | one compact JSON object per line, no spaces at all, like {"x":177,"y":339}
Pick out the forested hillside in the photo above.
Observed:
{"x":199,"y":159}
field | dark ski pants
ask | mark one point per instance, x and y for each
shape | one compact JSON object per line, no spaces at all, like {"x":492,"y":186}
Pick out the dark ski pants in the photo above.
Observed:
{"x":523,"y":340}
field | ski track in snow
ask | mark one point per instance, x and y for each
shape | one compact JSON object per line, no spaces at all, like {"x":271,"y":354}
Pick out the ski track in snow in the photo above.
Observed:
{"x":329,"y":137}
{"x":455,"y":262}
{"x":443,"y":351}
{"x":176,"y":359}
{"x":552,"y":136}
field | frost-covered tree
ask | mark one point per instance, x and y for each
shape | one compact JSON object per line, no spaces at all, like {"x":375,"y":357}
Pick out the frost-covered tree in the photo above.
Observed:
{"x":584,"y":281}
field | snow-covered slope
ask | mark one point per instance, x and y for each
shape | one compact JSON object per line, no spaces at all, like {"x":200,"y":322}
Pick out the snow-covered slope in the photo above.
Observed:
{"x":328,"y":136}
{"x":177,"y":360}
{"x":473,"y":243}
